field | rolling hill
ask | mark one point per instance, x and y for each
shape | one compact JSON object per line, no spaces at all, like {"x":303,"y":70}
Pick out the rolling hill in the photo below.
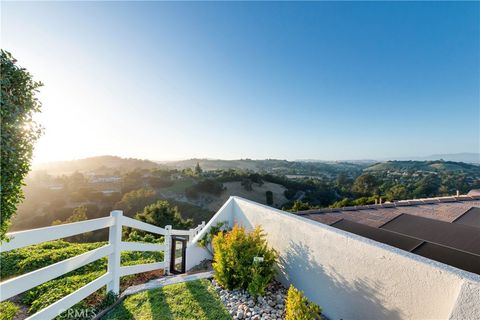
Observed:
{"x":432,"y":166}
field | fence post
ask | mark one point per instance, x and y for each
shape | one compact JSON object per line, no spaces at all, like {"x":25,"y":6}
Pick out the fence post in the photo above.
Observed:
{"x":191,"y":234}
{"x":168,"y":249}
{"x":115,"y":239}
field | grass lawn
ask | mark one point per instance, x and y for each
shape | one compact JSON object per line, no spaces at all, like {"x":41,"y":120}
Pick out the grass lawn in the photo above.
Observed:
{"x":186,"y":301}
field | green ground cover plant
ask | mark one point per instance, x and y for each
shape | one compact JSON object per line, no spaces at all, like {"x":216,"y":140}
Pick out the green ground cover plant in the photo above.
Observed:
{"x":8,"y":310}
{"x":21,"y":261}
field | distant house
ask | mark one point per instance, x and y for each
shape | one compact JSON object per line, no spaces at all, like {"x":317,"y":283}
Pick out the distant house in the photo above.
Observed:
{"x":105,"y":179}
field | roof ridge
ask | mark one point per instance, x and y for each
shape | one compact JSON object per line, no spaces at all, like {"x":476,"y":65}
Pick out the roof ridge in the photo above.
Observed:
{"x":398,"y":203}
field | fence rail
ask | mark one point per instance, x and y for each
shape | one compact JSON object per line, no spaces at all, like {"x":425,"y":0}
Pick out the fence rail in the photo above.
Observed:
{"x":112,"y":250}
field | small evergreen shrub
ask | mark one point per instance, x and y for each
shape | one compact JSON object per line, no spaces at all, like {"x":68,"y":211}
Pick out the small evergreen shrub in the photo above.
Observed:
{"x":298,"y":307}
{"x":235,"y":263}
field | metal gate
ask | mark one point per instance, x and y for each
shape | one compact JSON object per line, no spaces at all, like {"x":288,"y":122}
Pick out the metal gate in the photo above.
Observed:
{"x":178,"y":254}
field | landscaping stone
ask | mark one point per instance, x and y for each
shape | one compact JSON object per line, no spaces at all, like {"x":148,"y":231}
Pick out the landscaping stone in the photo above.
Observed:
{"x":241,"y":305}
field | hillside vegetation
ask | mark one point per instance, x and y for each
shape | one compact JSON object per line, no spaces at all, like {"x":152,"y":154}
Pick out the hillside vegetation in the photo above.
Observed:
{"x":197,"y":188}
{"x":101,"y":164}
{"x":21,"y":261}
{"x":427,"y":166}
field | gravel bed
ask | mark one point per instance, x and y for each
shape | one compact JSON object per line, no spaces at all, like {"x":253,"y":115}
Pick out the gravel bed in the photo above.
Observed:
{"x":242,"y":305}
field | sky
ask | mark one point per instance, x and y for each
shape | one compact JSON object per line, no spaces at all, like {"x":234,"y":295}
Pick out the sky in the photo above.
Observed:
{"x":310,"y":80}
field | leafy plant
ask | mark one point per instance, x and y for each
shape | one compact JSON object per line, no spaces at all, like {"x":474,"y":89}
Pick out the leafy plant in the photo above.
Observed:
{"x":9,"y":310}
{"x":243,"y":260}
{"x":161,"y":213}
{"x":206,"y":241}
{"x":135,"y":236}
{"x":19,"y":133}
{"x":298,"y":307}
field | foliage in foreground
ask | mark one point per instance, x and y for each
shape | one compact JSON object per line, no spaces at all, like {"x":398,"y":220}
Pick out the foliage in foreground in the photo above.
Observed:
{"x":184,"y":301}
{"x":298,"y":307}
{"x":20,"y":261}
{"x":18,"y":135}
{"x":206,"y":241}
{"x":9,"y":310}
{"x":236,"y":260}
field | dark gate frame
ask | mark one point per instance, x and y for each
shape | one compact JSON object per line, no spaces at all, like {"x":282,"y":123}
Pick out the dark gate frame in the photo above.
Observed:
{"x":173,"y":250}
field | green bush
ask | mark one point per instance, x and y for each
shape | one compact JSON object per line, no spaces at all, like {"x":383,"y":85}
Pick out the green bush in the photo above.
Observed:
{"x":298,"y":307}
{"x":234,"y":263}
{"x":8,"y":310}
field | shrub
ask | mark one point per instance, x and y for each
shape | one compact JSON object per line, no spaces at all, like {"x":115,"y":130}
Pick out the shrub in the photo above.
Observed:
{"x":298,"y":307}
{"x":234,"y":264}
{"x":161,"y":213}
{"x":206,"y":241}
{"x":9,"y":310}
{"x":269,"y":197}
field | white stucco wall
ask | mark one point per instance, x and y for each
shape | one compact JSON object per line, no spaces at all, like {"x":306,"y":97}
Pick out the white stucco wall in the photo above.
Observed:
{"x":196,"y":254}
{"x":352,"y":277}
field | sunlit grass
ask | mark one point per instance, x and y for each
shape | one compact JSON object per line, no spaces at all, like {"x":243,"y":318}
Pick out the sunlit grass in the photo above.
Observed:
{"x":179,"y":185}
{"x":184,"y":301}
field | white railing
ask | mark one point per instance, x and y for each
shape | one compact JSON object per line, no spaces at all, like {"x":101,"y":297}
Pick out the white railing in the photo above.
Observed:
{"x":113,"y":249}
{"x":191,"y":233}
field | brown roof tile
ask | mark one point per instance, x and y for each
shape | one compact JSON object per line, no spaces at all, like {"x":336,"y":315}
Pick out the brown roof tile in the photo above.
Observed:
{"x":444,"y":209}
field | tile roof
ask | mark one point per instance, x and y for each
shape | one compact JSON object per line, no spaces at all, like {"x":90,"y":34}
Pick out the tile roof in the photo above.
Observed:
{"x":445,"y":229}
{"x":443,"y":208}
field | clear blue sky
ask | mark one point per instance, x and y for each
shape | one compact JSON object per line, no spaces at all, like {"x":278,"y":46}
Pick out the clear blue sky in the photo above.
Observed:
{"x":259,"y":80}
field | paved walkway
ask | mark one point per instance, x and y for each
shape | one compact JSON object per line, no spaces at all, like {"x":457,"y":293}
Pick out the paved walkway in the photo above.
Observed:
{"x":165,"y":281}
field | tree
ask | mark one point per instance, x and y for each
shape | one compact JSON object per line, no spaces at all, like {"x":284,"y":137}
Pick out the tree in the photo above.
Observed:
{"x":247,"y":184}
{"x":298,"y":205}
{"x":269,"y":196}
{"x":19,"y":133}
{"x":79,"y":214}
{"x":135,"y":201}
{"x":397,"y":192}
{"x":366,"y":184}
{"x":161,"y":214}
{"x":198,"y":170}
{"x":342,"y":180}
{"x":428,"y":186}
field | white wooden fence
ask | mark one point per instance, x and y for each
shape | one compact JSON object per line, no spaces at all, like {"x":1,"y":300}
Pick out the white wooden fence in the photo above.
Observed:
{"x":113,"y":249}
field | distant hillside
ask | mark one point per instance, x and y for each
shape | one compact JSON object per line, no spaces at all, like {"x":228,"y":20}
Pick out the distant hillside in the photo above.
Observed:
{"x":281,"y":167}
{"x":433,"y":166}
{"x":213,"y":164}
{"x":101,"y":165}
{"x":455,"y":157}
{"x":112,"y":164}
